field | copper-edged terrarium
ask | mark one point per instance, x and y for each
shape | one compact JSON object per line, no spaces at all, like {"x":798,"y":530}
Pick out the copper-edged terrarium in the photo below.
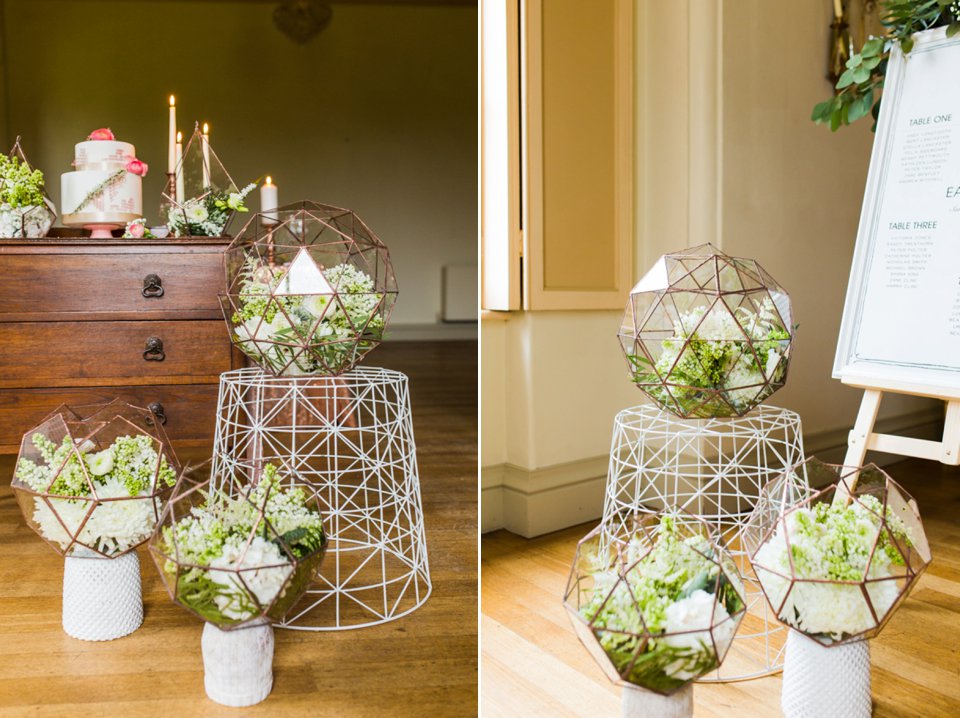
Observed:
{"x":239,"y":548}
{"x":835,"y":562}
{"x":201,"y":199}
{"x":658,"y":604}
{"x":706,"y":334}
{"x":91,"y":481}
{"x":25,"y":207}
{"x":310,"y":289}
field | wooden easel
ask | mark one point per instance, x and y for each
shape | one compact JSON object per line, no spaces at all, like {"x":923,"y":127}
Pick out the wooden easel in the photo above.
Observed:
{"x":862,"y":438}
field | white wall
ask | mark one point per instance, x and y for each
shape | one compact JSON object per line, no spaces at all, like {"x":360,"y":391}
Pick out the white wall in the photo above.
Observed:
{"x":377,"y":113}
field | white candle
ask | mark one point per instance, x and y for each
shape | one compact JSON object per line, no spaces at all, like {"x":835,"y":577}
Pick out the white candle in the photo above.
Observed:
{"x":179,"y":170}
{"x":205,"y":143}
{"x":268,"y":203}
{"x":172,"y":137}
{"x":838,"y":8}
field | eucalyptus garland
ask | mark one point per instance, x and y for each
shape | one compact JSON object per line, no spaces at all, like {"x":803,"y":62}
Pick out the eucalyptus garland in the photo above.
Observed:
{"x":99,"y":189}
{"x":861,"y":84}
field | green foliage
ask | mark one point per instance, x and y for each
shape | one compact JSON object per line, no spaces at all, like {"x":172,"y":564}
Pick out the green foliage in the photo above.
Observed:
{"x":19,"y":185}
{"x":200,"y":593}
{"x":861,"y":84}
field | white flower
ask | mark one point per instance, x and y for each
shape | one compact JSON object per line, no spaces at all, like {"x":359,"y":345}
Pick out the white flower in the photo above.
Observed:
{"x":688,"y":628}
{"x":100,"y":463}
{"x":773,"y":359}
{"x":196,"y":212}
{"x":113,"y":526}
{"x":269,"y":571}
{"x":316,"y":304}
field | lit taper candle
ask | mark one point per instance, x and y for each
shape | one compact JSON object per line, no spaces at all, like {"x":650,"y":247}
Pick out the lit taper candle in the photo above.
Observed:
{"x":172,"y":137}
{"x":205,"y":142}
{"x":179,"y":169}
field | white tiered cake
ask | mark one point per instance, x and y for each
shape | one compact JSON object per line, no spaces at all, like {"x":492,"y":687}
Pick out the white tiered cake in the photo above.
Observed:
{"x":97,"y":162}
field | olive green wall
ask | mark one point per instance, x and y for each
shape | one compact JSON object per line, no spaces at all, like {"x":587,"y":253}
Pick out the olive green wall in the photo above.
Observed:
{"x":377,"y":113}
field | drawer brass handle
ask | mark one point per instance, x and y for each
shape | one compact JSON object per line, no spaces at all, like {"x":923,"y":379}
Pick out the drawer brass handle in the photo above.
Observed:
{"x":156,"y":410}
{"x":153,"y":349}
{"x":152,"y":286}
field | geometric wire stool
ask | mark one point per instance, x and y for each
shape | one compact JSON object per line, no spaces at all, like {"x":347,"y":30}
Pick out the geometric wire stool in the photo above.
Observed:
{"x":350,"y":439}
{"x":713,"y":469}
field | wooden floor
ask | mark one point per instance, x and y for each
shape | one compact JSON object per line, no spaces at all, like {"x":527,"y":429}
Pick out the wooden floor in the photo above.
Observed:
{"x":422,"y":665}
{"x":533,"y":665}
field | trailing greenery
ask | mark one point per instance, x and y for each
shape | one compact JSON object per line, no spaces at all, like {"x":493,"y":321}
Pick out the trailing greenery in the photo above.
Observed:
{"x":861,"y":84}
{"x":20,"y":186}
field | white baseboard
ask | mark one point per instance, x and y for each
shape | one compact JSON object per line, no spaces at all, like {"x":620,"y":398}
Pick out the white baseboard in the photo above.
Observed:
{"x":532,"y":503}
{"x":437,"y":332}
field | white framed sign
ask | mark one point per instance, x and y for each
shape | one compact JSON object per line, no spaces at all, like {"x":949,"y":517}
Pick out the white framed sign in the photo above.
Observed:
{"x":901,"y":320}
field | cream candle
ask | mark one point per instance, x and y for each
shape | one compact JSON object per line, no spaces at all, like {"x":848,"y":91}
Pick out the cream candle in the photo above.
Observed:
{"x":179,"y":170}
{"x":269,"y":202}
{"x":172,"y":137}
{"x":205,"y":143}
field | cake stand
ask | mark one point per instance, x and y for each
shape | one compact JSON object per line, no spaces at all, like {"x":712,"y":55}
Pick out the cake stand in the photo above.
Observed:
{"x":100,"y":224}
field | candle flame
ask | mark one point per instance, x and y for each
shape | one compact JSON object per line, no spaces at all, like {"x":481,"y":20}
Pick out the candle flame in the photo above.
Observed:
{"x":179,"y":137}
{"x":173,"y":101}
{"x":206,"y":128}
{"x":269,"y":180}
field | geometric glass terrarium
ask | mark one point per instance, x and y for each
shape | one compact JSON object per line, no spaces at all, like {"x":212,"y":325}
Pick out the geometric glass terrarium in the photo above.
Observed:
{"x":242,"y":548}
{"x":203,"y":198}
{"x":310,"y":289}
{"x":706,"y":334}
{"x":658,"y":606}
{"x":834,"y":563}
{"x":25,"y":208}
{"x":91,"y":481}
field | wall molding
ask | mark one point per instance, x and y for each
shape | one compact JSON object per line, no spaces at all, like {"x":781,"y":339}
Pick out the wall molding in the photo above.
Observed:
{"x":534,"y":502}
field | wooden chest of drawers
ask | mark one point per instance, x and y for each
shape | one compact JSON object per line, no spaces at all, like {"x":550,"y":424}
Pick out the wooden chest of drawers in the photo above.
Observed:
{"x":84,"y":321}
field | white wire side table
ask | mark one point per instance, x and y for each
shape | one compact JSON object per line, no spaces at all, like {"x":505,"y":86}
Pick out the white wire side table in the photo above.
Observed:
{"x":350,"y":437}
{"x":713,"y":469}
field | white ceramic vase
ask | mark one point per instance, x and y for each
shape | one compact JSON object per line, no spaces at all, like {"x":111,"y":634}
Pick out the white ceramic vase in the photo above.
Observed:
{"x":823,"y":681}
{"x":638,"y":702}
{"x":238,"y":664}
{"x":102,"y":599}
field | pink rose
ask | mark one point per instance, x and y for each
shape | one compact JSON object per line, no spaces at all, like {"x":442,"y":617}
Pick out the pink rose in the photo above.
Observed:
{"x":135,"y":229}
{"x":137,"y":167}
{"x":103,"y":133}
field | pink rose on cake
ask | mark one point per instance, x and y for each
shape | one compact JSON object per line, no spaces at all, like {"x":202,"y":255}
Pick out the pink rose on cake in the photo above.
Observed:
{"x":137,"y":167}
{"x":103,"y":133}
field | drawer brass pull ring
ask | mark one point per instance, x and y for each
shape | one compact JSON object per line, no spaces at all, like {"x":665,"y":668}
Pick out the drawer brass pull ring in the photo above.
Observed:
{"x":152,"y":286}
{"x":153,"y":349}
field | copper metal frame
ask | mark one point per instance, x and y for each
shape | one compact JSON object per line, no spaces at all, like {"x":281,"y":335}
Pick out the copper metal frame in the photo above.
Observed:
{"x":168,"y":198}
{"x":327,"y":232}
{"x":791,"y":492}
{"x":644,"y":527}
{"x":17,"y":152}
{"x":83,"y":423}
{"x":693,"y":277}
{"x":196,"y":486}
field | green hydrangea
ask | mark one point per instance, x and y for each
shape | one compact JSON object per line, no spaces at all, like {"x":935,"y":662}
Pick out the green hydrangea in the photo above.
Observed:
{"x":19,"y":185}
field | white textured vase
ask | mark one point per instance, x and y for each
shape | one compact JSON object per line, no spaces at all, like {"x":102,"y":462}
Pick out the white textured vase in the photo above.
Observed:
{"x":238,"y":665}
{"x":640,"y":703}
{"x":820,"y":681}
{"x":102,"y":599}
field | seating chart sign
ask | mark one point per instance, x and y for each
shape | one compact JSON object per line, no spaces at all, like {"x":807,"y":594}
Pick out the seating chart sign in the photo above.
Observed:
{"x":901,"y":320}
